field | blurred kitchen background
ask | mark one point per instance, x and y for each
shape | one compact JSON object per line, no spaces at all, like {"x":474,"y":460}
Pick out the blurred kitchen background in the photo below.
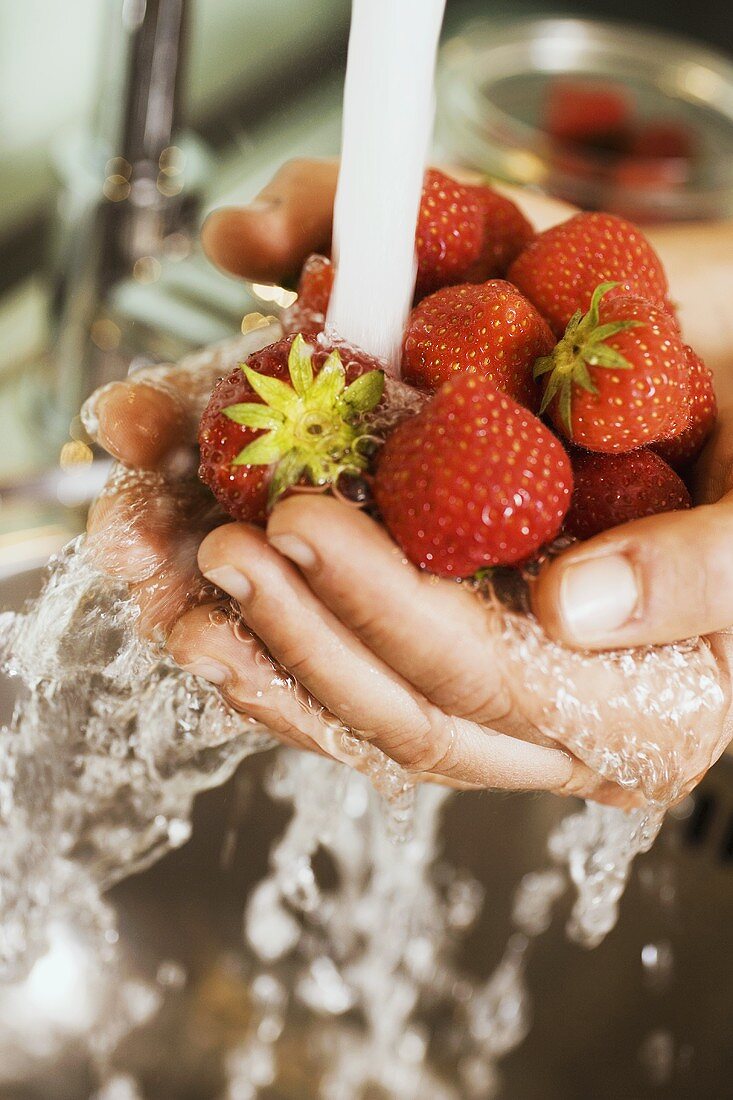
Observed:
{"x":123,"y":121}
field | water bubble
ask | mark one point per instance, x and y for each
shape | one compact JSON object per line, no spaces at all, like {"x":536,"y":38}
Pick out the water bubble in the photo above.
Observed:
{"x":413,"y":1046}
{"x":465,"y":898}
{"x":353,"y":489}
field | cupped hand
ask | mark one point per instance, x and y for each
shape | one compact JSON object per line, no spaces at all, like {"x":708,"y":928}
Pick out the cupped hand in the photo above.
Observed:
{"x":402,"y":659}
{"x":303,"y":653}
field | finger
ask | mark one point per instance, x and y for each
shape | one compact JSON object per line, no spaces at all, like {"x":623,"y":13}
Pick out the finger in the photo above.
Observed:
{"x":335,"y":667}
{"x":146,"y":420}
{"x":138,"y":423}
{"x":211,"y":645}
{"x":435,"y":633}
{"x":129,"y":538}
{"x":145,"y":530}
{"x":305,"y":637}
{"x":269,"y":240}
{"x":207,"y":644}
{"x":660,"y":579}
{"x":713,"y":473}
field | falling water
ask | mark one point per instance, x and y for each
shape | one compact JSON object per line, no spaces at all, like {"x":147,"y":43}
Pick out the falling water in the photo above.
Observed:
{"x":110,"y":743}
{"x":387,"y":126}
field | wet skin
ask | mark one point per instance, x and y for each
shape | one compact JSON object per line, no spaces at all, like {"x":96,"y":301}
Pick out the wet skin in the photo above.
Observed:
{"x":404,"y":659}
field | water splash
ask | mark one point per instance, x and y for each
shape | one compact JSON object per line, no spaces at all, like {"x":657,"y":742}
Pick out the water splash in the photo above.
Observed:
{"x":110,"y":743}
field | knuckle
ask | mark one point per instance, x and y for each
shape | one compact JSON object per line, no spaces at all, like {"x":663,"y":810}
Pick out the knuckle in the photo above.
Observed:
{"x":368,"y":623}
{"x":297,"y":661}
{"x":221,"y":546}
{"x":429,"y":748}
{"x":475,"y":694}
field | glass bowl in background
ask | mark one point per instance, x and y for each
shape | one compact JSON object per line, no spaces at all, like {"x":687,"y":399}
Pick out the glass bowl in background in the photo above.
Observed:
{"x":672,"y":159}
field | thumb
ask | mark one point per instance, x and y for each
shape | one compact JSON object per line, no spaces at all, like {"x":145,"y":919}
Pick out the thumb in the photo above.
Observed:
{"x":659,"y":579}
{"x":270,"y":239}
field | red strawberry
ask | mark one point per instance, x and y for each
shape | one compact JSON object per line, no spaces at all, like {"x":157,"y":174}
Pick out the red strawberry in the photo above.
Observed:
{"x":588,"y":113}
{"x":560,"y":268}
{"x":702,"y":411}
{"x":473,"y":480}
{"x":464,"y":234}
{"x":308,"y":312}
{"x":450,"y":233}
{"x":618,"y":378}
{"x":664,"y":138}
{"x":292,"y":413}
{"x":614,"y":489}
{"x":488,"y":329}
{"x":631,"y":175}
{"x":506,"y":232}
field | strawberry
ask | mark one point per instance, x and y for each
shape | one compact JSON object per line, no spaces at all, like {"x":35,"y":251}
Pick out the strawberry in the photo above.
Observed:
{"x":464,"y":234}
{"x":614,"y":489}
{"x":293,"y":413}
{"x":308,"y":313}
{"x":560,"y":268}
{"x":702,"y":410}
{"x":473,"y":480}
{"x":506,"y":232}
{"x":488,"y":329}
{"x":588,"y":113}
{"x":664,"y":138}
{"x":618,"y":378}
{"x":450,"y":233}
{"x":636,"y":182}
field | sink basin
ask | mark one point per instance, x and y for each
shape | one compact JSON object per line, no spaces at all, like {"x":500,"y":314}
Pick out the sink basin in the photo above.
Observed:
{"x":648,"y":1010}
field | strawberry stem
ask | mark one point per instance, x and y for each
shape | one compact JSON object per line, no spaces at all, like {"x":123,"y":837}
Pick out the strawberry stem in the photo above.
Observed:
{"x":311,"y":426}
{"x":583,"y":346}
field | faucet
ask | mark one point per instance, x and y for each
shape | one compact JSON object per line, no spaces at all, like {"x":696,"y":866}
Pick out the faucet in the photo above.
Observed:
{"x":124,"y":191}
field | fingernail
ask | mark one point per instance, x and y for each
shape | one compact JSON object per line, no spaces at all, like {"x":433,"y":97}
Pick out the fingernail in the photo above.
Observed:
{"x":232,"y":581}
{"x":208,"y":670}
{"x":597,"y":596}
{"x":295,"y":549}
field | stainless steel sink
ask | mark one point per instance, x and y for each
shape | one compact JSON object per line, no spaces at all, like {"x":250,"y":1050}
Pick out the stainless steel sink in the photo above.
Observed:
{"x":607,"y":1024}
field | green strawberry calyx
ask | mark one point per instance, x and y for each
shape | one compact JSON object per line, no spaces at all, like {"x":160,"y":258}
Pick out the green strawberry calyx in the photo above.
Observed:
{"x":583,"y":346}
{"x":312,"y":426}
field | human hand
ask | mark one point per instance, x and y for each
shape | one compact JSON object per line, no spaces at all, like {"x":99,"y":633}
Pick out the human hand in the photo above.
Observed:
{"x":425,"y":714}
{"x":147,"y":529}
